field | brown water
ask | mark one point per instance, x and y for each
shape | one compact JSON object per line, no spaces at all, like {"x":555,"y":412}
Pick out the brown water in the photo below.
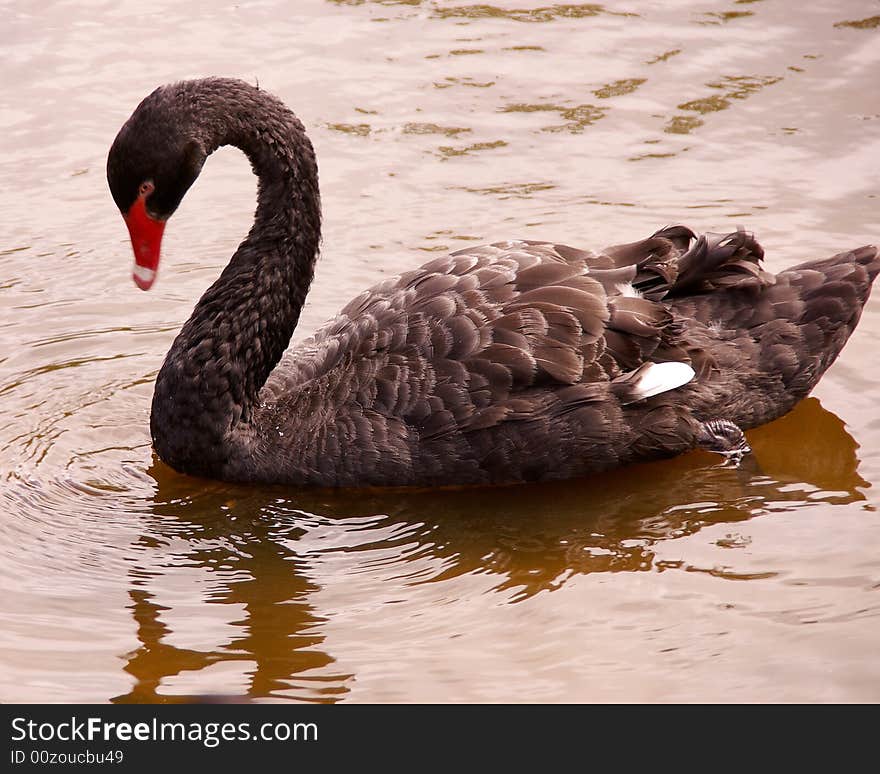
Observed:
{"x":436,"y":126}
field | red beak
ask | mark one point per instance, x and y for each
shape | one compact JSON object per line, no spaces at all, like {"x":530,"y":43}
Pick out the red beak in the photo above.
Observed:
{"x":146,"y":241}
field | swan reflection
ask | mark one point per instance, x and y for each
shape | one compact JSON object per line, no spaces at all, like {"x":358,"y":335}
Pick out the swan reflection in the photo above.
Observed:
{"x":265,"y":557}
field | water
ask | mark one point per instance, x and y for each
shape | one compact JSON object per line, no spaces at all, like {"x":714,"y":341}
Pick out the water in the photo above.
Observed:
{"x":436,"y":126}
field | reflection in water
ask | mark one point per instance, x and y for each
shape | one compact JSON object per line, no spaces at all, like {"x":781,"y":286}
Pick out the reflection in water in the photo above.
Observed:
{"x":448,"y":151}
{"x":619,"y":88}
{"x":511,"y":190}
{"x":362,"y":130}
{"x":665,"y":56}
{"x":449,"y":82}
{"x":267,"y":580}
{"x":731,"y":86}
{"x":262,"y":549}
{"x":577,"y":118}
{"x":428,"y":128}
{"x":680,"y":125}
{"x":861,"y":24}
{"x":722,"y":17}
{"x":541,"y":14}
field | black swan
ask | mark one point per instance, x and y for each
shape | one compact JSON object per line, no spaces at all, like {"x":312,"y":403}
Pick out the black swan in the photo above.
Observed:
{"x":516,"y":361}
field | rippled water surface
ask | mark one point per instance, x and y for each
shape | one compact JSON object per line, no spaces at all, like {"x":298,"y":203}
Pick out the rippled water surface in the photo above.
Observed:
{"x":437,"y":125}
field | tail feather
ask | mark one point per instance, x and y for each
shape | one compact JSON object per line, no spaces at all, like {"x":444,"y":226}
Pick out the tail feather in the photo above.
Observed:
{"x":649,"y":265}
{"x":721,"y":261}
{"x":674,"y":262}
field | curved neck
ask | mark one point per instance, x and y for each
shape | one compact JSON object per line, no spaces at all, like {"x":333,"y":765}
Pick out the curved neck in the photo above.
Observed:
{"x":241,"y":326}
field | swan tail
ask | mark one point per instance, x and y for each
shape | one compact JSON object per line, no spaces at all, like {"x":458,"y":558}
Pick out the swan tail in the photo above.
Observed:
{"x":820,"y":303}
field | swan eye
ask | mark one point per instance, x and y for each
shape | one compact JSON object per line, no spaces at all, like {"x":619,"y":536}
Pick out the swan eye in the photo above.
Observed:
{"x":146,"y":188}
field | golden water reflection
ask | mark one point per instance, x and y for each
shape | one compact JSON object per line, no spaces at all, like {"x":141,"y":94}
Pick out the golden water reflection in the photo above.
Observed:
{"x":261,"y":549}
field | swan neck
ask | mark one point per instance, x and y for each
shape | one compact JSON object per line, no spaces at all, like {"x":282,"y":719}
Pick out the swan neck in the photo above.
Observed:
{"x":239,"y":330}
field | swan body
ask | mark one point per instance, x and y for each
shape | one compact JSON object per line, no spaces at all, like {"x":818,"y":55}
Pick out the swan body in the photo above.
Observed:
{"x":516,"y":361}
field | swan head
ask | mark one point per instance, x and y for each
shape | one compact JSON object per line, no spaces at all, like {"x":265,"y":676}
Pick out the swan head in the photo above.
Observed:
{"x":151,"y":165}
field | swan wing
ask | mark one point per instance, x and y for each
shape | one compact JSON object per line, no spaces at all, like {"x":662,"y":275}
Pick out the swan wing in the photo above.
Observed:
{"x":495,"y":333}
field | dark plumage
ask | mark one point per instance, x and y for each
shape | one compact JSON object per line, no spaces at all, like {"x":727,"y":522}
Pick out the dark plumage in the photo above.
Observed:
{"x":517,"y":361}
